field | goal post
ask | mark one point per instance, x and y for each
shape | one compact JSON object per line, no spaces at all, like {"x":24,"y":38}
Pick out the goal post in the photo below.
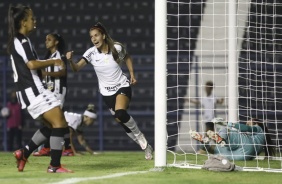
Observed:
{"x":237,"y":46}
{"x":160,"y":83}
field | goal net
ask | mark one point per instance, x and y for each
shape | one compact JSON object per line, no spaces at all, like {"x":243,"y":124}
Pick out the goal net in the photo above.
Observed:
{"x":234,"y":46}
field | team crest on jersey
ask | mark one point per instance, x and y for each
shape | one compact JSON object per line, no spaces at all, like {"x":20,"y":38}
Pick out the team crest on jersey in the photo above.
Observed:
{"x":24,"y":40}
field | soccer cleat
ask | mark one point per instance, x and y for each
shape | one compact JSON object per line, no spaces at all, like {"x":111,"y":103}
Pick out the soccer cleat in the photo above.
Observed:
{"x":214,"y":136}
{"x":195,"y":135}
{"x":42,"y":152}
{"x":60,"y":169}
{"x":142,"y":141}
{"x":68,"y":152}
{"x":21,"y":161}
{"x":149,"y":152}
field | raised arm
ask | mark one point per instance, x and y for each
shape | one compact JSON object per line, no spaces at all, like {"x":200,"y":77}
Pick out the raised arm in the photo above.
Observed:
{"x":75,"y":66}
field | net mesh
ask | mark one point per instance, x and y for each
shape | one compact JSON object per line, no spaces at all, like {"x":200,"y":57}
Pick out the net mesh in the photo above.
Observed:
{"x":197,"y":50}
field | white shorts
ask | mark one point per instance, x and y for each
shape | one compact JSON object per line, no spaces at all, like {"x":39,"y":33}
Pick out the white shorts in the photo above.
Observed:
{"x":43,"y":103}
{"x":61,"y":97}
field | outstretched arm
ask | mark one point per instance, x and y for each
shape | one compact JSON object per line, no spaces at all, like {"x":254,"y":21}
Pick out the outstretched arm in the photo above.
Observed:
{"x":83,"y":143}
{"x":40,"y":64}
{"x":194,"y":101}
{"x":243,"y":127}
{"x":75,"y":66}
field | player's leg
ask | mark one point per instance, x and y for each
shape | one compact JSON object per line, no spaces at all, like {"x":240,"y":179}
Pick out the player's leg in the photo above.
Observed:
{"x":56,"y":118}
{"x":68,"y":150}
{"x":39,"y":137}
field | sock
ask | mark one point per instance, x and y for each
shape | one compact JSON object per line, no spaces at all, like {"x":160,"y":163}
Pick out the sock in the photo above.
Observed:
{"x":39,"y":137}
{"x":131,"y":124}
{"x":67,"y":139}
{"x":56,"y":145}
{"x":132,"y":136}
{"x":47,"y":143}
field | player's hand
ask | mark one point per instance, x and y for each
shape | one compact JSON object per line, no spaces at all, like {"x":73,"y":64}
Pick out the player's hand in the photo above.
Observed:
{"x":59,"y":63}
{"x":69,"y":55}
{"x":133,"y":81}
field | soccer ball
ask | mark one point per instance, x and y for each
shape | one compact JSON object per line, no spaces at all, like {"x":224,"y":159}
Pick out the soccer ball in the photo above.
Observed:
{"x":5,"y":112}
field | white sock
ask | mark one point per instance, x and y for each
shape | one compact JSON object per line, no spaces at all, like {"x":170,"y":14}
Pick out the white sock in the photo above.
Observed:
{"x":131,"y":124}
{"x":132,"y":136}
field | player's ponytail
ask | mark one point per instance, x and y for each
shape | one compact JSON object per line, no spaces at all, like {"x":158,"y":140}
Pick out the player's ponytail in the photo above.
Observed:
{"x":15,"y":16}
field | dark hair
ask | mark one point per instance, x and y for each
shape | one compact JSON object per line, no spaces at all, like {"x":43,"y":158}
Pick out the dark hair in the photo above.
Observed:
{"x":91,"y":108}
{"x":15,"y":16}
{"x":60,"y":46}
{"x":99,"y":26}
{"x":269,"y":146}
{"x":209,"y":83}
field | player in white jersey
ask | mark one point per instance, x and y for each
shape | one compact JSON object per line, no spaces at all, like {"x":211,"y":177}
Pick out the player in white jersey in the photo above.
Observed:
{"x":107,"y":56}
{"x":238,"y":141}
{"x":40,"y":102}
{"x":209,"y":105}
{"x":77,"y":123}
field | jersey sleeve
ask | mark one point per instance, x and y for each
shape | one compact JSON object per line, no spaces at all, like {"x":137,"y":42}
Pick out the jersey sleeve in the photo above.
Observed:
{"x":24,"y":49}
{"x":122,"y":53}
{"x":245,"y":128}
{"x":87,"y":56}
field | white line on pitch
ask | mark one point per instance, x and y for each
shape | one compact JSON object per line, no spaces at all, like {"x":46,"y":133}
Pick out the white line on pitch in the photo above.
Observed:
{"x":76,"y":180}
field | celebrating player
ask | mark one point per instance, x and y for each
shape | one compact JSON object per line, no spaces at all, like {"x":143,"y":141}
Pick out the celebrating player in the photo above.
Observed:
{"x":106,"y":56}
{"x":76,"y":123}
{"x":40,"y":102}
{"x":238,"y":141}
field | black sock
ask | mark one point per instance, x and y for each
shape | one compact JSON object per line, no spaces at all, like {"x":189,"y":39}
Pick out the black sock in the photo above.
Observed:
{"x":29,"y":148}
{"x":67,"y":139}
{"x":40,"y":136}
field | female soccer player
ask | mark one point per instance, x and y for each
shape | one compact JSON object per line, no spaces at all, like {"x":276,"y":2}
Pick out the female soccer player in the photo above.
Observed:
{"x":55,"y":78}
{"x":238,"y":141}
{"x":40,"y":102}
{"x":76,"y":122}
{"x":106,"y":56}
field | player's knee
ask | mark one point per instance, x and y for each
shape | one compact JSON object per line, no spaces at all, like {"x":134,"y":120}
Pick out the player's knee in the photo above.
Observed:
{"x":122,"y":115}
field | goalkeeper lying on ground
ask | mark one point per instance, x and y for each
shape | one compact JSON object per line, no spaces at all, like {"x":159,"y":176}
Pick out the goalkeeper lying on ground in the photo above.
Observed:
{"x":237,"y":141}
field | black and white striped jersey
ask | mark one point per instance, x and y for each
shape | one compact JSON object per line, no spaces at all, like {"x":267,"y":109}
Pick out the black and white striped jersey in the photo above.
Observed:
{"x":58,"y":82}
{"x":28,"y":82}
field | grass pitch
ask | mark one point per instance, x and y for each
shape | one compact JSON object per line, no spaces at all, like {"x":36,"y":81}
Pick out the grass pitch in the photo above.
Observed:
{"x":120,"y":168}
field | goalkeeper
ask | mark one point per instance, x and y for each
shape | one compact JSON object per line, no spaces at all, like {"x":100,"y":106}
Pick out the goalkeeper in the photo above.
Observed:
{"x":238,"y":141}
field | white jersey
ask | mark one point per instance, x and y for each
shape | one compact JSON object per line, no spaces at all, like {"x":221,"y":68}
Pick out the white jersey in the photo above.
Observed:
{"x":74,"y":120}
{"x":208,"y":103}
{"x":108,"y":71}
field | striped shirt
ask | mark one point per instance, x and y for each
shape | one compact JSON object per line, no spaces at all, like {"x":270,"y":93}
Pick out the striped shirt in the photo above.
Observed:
{"x":58,"y":82}
{"x":28,"y":82}
{"x":109,"y":73}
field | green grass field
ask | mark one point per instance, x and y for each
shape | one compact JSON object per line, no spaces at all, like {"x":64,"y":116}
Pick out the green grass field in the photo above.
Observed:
{"x":121,"y":168}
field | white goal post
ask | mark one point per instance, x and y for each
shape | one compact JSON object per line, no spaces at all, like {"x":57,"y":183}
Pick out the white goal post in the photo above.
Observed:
{"x":237,"y":45}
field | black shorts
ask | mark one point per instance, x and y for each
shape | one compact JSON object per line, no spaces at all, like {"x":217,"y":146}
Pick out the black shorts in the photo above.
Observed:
{"x":110,"y":101}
